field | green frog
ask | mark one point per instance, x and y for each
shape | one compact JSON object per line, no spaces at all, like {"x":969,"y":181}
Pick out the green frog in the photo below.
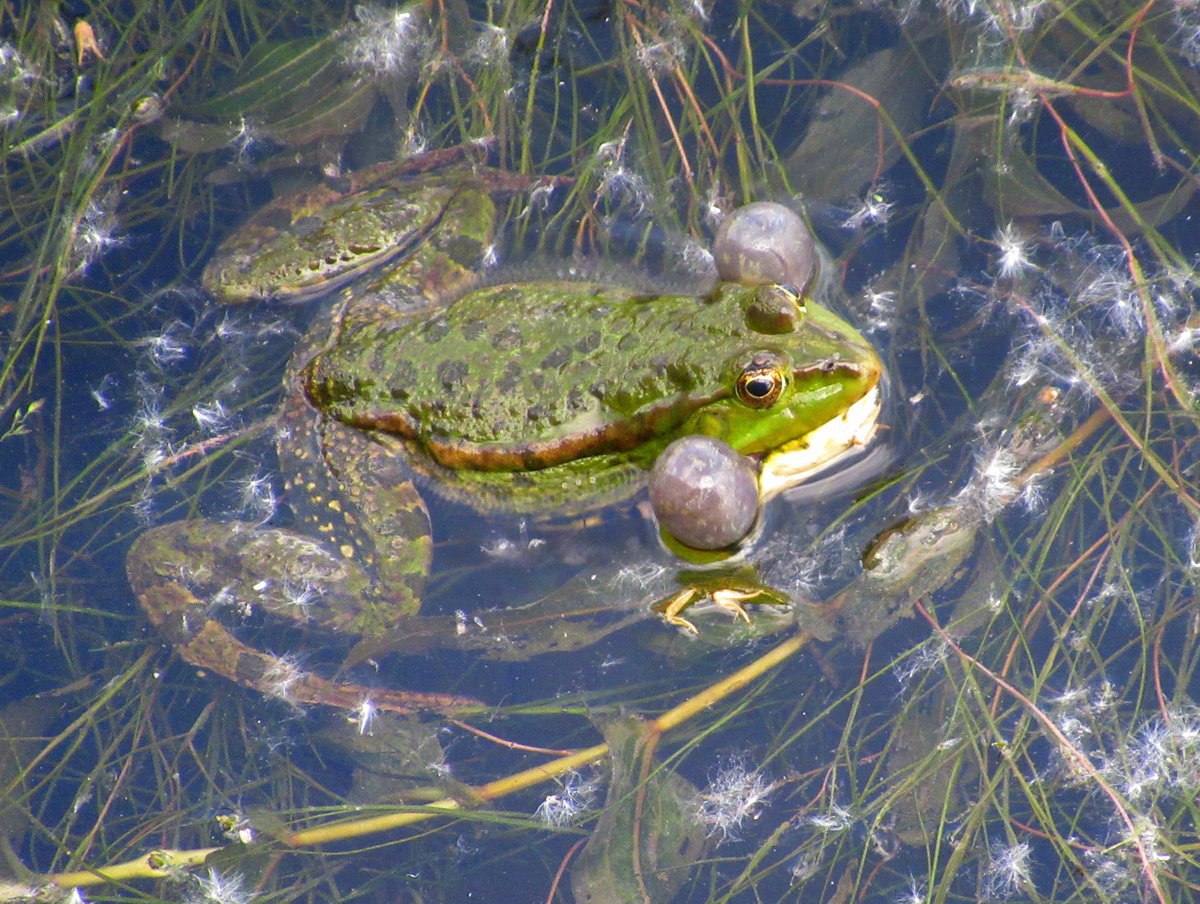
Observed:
{"x":535,"y":396}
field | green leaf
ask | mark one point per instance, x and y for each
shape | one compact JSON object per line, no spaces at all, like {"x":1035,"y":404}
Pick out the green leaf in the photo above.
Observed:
{"x":647,"y":840}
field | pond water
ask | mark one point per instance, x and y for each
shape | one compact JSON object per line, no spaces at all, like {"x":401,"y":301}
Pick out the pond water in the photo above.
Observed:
{"x":966,"y":664}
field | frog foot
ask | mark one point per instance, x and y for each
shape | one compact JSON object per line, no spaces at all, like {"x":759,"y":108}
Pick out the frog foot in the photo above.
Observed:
{"x":672,"y":606}
{"x":164,"y":578}
{"x":728,"y":599}
{"x":731,"y":602}
{"x":727,"y":590}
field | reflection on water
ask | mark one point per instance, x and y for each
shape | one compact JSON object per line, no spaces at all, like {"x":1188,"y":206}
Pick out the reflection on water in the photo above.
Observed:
{"x":983,"y":685}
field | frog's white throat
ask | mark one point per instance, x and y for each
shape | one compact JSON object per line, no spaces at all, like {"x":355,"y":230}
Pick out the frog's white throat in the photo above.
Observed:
{"x":799,"y":460}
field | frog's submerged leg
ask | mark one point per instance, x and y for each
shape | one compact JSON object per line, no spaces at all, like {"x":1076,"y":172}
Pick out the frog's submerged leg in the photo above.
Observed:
{"x":672,"y":607}
{"x":174,"y":572}
{"x":356,"y":496}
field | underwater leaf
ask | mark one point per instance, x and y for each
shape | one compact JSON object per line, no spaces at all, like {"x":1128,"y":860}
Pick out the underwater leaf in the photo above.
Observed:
{"x":293,"y":92}
{"x":22,"y":723}
{"x":930,"y":772}
{"x":932,"y":261}
{"x":390,"y":754}
{"x":840,"y":152}
{"x":1118,"y":122}
{"x":1014,"y":187}
{"x":647,"y":839}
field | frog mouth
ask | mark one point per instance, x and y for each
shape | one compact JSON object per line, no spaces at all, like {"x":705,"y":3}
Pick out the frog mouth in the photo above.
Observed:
{"x":800,"y":459}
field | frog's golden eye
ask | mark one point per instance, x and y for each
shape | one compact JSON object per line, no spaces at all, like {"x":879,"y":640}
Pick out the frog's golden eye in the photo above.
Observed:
{"x":760,"y":384}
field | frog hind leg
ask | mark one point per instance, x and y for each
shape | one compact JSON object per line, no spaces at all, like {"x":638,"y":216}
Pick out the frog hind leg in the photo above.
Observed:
{"x":356,"y":496}
{"x":180,"y":597}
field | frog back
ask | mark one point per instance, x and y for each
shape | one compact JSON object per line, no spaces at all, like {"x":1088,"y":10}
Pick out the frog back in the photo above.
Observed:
{"x":577,"y":377}
{"x":515,"y":365}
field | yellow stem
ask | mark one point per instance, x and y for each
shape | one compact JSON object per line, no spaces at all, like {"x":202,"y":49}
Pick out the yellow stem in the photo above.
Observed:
{"x":161,"y":863}
{"x":156,"y":864}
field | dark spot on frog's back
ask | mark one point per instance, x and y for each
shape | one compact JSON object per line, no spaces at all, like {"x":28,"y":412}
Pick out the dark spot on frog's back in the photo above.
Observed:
{"x":473,"y":329}
{"x":435,"y":329}
{"x":507,"y":338}
{"x":510,"y":377}
{"x":588,"y":343}
{"x":452,"y":374}
{"x":578,"y":400}
{"x":628,"y":342}
{"x":401,"y":374}
{"x":302,"y":227}
{"x":557,"y":358}
{"x":681,"y":374}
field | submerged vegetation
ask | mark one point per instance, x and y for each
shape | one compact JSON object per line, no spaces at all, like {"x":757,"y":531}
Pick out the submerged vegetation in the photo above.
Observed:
{"x":1002,"y":704}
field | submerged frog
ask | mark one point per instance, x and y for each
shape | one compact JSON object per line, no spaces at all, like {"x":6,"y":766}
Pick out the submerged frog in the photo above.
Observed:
{"x":538,"y":396}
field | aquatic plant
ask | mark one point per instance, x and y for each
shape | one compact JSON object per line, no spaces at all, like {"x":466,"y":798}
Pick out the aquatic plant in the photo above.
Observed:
{"x":1007,"y":188}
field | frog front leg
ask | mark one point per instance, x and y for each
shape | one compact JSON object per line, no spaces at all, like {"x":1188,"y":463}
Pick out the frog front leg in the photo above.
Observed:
{"x":184,"y":573}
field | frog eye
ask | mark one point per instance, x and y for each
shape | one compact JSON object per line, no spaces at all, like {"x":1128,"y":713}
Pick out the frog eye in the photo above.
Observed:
{"x":760,"y":384}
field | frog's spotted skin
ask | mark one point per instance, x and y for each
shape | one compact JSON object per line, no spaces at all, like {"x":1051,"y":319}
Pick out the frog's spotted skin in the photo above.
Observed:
{"x":370,"y":514}
{"x":545,"y":396}
{"x":305,"y":245}
{"x":509,"y":409}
